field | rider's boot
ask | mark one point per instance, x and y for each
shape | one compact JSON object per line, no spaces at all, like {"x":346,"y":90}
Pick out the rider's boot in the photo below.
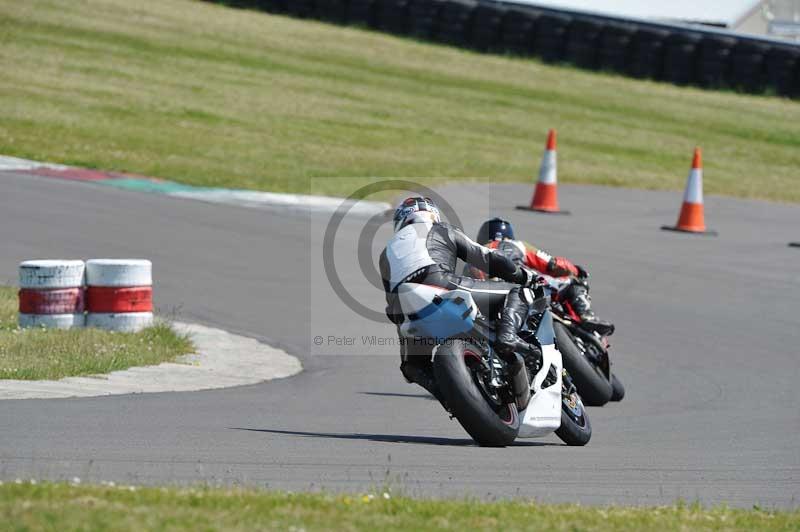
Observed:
{"x":511,"y":320}
{"x":581,"y":303}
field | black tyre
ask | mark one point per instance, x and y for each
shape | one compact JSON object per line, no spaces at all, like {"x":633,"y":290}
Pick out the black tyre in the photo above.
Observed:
{"x":680,"y":57}
{"x":647,"y":52}
{"x":575,"y":429}
{"x":550,"y":36}
{"x":486,"y":24}
{"x":592,"y":384}
{"x":583,"y":42}
{"x":332,"y":11}
{"x":423,"y":18}
{"x":747,"y":65}
{"x":781,"y":62}
{"x":713,"y":60}
{"x":618,"y":390}
{"x":615,"y":47}
{"x":392,"y":16}
{"x":272,"y":6}
{"x":455,"y":21}
{"x":361,"y":13}
{"x":518,"y":30}
{"x":489,"y":421}
{"x":301,"y":8}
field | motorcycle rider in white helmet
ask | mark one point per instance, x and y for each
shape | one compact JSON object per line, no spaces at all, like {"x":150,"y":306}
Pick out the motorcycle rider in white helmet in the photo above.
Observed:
{"x":425,"y":250}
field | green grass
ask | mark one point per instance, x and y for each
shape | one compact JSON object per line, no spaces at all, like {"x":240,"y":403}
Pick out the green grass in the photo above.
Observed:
{"x":34,"y":354}
{"x":210,"y":95}
{"x":60,"y":507}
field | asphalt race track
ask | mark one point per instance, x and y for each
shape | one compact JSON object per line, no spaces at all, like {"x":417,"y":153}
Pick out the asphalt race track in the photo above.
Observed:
{"x":707,"y":346}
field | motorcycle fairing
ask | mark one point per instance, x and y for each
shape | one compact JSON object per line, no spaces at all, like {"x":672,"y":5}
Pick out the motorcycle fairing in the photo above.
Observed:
{"x":434,"y":312}
{"x":543,"y":414}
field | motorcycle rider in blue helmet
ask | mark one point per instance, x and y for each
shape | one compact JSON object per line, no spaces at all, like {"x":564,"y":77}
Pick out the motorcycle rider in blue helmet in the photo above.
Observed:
{"x":570,"y":283}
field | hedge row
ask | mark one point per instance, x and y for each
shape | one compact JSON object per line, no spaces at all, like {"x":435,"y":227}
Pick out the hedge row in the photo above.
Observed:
{"x":672,"y":54}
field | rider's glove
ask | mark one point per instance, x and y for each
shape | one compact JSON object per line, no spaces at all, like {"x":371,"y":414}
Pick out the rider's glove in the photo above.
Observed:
{"x":531,"y":279}
{"x":582,"y":273}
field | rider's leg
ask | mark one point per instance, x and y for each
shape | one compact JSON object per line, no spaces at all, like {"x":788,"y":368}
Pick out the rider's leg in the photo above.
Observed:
{"x":577,"y":294}
{"x":512,"y":318}
{"x":505,"y":303}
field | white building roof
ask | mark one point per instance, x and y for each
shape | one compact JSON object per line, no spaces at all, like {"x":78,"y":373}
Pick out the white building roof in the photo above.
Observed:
{"x":726,"y":12}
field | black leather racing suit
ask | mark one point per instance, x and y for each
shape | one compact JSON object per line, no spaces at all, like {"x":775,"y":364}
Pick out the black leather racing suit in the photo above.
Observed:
{"x":427,"y":254}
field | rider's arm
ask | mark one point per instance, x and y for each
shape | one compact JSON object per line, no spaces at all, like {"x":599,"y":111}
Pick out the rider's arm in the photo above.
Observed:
{"x":541,"y":261}
{"x":487,"y":260}
{"x":472,"y":271}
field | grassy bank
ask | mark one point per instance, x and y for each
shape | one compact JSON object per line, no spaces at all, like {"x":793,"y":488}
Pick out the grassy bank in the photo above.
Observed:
{"x":210,"y":95}
{"x":69,"y":507}
{"x":34,"y":354}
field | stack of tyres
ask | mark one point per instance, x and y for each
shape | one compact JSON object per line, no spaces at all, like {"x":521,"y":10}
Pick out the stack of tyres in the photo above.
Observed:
{"x":361,"y":13}
{"x":582,"y":42}
{"x":302,"y":8}
{"x":551,"y":33}
{"x":747,"y":66}
{"x":713,"y":60}
{"x":455,"y":21}
{"x":51,"y":293}
{"x":119,"y":294}
{"x":332,"y":10}
{"x":615,"y":44}
{"x":518,"y":31}
{"x":647,"y":52}
{"x":783,"y":63}
{"x":487,"y":22}
{"x":679,"y":57}
{"x":393,"y":16}
{"x":423,"y":17}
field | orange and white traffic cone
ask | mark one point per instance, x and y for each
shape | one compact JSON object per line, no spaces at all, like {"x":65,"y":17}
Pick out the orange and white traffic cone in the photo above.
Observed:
{"x":692,"y":217}
{"x":545,"y":196}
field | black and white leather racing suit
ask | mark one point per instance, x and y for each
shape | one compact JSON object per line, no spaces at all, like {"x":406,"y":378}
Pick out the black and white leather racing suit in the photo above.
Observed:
{"x":427,"y":253}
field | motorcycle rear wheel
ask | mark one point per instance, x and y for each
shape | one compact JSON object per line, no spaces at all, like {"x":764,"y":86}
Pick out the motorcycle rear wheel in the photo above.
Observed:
{"x":592,"y":384}
{"x":490,"y":422}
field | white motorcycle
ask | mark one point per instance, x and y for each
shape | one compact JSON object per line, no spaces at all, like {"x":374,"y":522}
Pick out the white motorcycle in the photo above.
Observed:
{"x":474,"y":381}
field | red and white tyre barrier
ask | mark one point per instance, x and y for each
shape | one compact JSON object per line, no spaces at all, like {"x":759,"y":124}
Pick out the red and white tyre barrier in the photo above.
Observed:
{"x":119,"y":294}
{"x":51,"y":293}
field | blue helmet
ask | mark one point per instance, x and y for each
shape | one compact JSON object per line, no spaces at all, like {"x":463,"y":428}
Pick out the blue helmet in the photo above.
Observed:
{"x":495,"y":229}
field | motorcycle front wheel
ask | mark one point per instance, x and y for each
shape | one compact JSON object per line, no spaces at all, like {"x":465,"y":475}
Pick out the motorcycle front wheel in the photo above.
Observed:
{"x":619,"y":390}
{"x":592,"y":384}
{"x":459,"y":369}
{"x":575,"y":429}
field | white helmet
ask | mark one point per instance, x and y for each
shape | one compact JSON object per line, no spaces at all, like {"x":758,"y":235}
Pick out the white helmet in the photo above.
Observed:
{"x":416,"y":210}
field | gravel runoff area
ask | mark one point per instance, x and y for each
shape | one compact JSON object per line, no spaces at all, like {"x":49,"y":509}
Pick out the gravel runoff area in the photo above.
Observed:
{"x":222,"y":360}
